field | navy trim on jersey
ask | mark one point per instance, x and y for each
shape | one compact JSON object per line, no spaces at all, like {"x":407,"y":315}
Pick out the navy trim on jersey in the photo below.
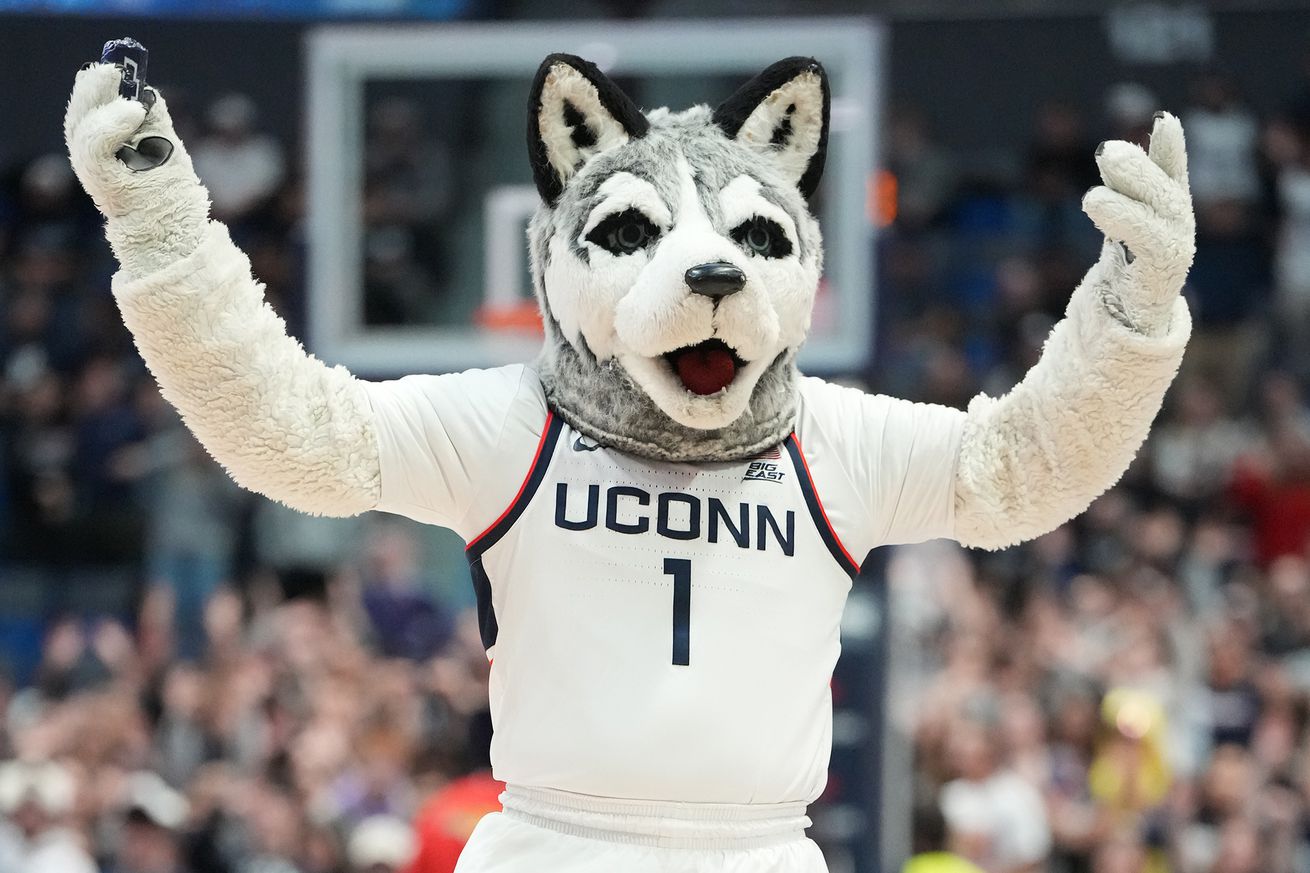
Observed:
{"x":829,"y":536}
{"x":531,"y":482}
{"x":488,"y":627}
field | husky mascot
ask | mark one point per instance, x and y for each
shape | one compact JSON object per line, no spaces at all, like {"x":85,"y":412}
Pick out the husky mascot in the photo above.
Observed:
{"x":663,"y":515}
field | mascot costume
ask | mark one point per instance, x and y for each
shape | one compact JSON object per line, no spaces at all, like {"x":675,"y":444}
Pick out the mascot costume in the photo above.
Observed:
{"x":663,"y":515}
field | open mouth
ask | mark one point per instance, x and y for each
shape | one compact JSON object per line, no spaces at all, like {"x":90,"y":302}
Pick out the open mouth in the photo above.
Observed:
{"x":705,"y":368}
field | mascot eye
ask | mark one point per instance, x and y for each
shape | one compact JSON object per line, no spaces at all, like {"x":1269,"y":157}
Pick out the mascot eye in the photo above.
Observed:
{"x":624,"y":232}
{"x":762,"y":237}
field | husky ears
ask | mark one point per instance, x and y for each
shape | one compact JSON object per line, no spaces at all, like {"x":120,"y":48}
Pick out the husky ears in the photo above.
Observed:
{"x":783,"y":112}
{"x":575,"y":113}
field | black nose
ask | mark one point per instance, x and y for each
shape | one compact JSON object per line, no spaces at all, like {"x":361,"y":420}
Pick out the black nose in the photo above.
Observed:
{"x":715,"y":280}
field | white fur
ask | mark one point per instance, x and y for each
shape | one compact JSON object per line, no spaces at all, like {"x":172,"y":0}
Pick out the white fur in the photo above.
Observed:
{"x":805,"y":92}
{"x":741,"y":200}
{"x":660,"y":313}
{"x":623,"y":191}
{"x":282,"y":422}
{"x":635,"y":308}
{"x":791,"y":282}
{"x":1145,"y":204}
{"x":153,"y":218}
{"x":1035,"y":458}
{"x":565,"y":83}
{"x":584,"y":296}
{"x":1039,"y":455}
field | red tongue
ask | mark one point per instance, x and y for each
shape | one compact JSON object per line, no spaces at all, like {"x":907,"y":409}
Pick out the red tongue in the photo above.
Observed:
{"x":705,"y":370}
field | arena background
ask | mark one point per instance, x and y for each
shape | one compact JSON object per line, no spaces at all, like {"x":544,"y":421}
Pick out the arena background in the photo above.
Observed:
{"x":193,"y":679}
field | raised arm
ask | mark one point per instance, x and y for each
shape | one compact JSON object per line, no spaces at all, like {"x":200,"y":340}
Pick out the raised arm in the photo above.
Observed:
{"x":283,"y":423}
{"x":1033,"y":459}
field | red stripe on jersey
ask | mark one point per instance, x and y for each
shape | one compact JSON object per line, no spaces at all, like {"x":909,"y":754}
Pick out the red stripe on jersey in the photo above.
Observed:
{"x":800,"y":451}
{"x":545,"y":431}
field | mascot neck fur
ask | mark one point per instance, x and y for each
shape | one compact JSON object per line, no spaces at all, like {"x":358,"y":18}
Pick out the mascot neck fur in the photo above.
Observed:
{"x":675,"y":259}
{"x":600,"y":400}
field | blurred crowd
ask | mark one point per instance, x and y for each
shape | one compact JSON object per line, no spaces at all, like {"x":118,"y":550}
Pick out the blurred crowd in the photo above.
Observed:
{"x":193,"y":680}
{"x":296,"y":745}
{"x":1130,"y":692}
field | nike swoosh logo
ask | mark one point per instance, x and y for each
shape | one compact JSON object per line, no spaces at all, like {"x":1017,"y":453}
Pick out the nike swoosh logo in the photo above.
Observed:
{"x":580,"y":446}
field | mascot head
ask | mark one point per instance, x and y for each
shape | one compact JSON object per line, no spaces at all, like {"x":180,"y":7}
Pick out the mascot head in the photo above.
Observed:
{"x":675,"y":258}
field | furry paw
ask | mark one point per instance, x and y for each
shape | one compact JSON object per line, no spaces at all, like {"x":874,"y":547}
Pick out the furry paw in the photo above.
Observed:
{"x":154,"y":217}
{"x":1145,"y":211}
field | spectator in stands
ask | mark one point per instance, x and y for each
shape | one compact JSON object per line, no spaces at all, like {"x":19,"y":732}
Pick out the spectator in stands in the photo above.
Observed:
{"x":408,"y":191}
{"x":241,"y":167}
{"x":1192,"y":452}
{"x":1222,"y":144}
{"x":150,"y":840}
{"x":929,"y":845}
{"x":1059,"y":171}
{"x":107,"y":435}
{"x":1235,"y":702}
{"x":276,"y":828}
{"x":1273,"y":488}
{"x":380,"y":844}
{"x":1122,"y":853}
{"x":997,"y":819}
{"x":37,"y":799}
{"x":195,"y":513}
{"x":1130,"y":108}
{"x":182,"y":740}
{"x":446,"y":819}
{"x":1287,"y":153}
{"x":405,"y":621}
{"x":925,"y":172}
{"x":1216,"y":836}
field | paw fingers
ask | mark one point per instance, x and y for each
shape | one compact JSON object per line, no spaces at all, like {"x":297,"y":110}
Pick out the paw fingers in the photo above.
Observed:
{"x":111,"y":127}
{"x":1127,"y":169}
{"x":1169,"y":147}
{"x":94,"y":86}
{"x":1126,"y":220}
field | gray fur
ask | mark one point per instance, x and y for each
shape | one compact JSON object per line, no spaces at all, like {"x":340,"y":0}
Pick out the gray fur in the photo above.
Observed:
{"x":599,"y":398}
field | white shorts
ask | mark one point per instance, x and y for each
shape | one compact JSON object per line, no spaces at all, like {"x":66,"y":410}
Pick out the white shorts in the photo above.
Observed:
{"x":545,"y":831}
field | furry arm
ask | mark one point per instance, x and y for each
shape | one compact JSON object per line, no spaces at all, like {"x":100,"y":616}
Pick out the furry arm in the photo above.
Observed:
{"x":1033,"y":459}
{"x":283,"y":423}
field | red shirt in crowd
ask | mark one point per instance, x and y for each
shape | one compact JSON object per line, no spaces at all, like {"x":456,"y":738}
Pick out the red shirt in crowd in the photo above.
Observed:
{"x":1279,"y":512}
{"x":447,"y":819}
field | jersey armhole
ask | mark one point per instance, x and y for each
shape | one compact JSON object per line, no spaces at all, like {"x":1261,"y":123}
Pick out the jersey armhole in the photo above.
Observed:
{"x":531,"y":482}
{"x":826,"y":531}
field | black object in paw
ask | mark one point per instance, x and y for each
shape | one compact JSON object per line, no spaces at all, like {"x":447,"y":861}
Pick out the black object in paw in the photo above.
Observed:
{"x":151,"y":152}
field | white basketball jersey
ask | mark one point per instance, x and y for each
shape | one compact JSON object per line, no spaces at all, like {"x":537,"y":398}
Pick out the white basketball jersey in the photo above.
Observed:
{"x":661,"y":631}
{"x":671,"y":629}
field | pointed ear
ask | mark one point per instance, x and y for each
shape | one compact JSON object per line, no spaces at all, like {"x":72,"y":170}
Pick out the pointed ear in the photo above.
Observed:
{"x":575,"y":113}
{"x":783,"y":112}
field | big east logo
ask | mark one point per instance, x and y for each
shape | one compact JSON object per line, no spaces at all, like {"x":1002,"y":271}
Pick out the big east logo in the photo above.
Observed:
{"x":765,"y":467}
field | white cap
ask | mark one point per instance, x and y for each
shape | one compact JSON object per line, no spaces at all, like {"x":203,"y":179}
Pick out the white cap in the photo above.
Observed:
{"x":150,"y":796}
{"x":381,"y":839}
{"x":47,"y":784}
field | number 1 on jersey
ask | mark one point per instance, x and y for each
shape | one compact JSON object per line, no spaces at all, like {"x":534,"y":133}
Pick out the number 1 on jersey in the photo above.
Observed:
{"x":680,"y":570}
